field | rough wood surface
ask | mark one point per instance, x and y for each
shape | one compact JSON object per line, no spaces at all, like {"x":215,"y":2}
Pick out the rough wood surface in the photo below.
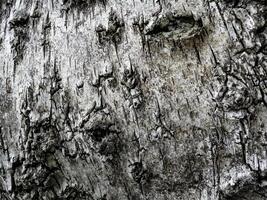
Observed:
{"x":133,"y":99}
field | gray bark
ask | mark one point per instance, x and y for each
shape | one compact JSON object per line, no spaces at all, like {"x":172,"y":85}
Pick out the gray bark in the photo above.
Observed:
{"x":133,"y":99}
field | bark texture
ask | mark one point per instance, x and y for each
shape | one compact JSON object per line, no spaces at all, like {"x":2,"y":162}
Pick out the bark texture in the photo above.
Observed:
{"x":133,"y":99}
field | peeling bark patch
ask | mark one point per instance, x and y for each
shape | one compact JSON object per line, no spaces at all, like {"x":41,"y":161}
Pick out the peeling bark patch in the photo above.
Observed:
{"x":131,"y":81}
{"x":20,"y":19}
{"x":83,"y":4}
{"x":246,"y":188}
{"x":114,"y":31}
{"x":174,"y":26}
{"x":100,"y":130}
{"x":241,"y":3}
{"x":19,"y":24}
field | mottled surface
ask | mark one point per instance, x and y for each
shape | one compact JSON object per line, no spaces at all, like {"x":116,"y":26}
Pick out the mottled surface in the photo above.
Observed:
{"x":132,"y":99}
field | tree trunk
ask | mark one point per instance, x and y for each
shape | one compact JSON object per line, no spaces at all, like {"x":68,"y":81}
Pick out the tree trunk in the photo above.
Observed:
{"x":133,"y":99}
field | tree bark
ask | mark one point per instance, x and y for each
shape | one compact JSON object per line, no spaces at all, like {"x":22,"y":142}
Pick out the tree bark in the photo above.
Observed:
{"x":133,"y":99}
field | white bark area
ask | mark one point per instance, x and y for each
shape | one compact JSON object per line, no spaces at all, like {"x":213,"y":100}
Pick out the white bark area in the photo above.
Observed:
{"x":133,"y":99}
